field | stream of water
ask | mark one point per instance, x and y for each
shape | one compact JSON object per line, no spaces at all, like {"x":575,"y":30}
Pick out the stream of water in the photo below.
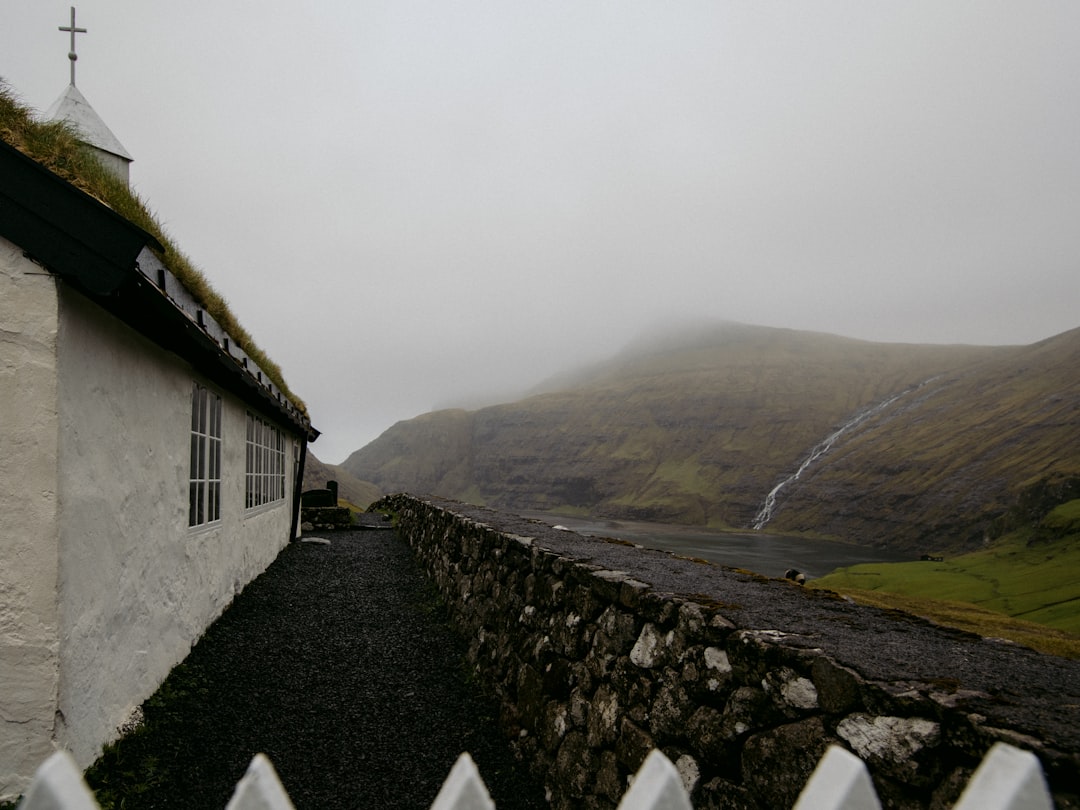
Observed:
{"x":765,"y":514}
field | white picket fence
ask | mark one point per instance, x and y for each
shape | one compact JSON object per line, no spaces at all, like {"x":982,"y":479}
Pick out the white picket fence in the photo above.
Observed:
{"x":1007,"y":779}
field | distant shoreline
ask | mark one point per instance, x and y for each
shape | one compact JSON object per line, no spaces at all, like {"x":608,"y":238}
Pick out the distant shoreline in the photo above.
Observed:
{"x":760,"y":551}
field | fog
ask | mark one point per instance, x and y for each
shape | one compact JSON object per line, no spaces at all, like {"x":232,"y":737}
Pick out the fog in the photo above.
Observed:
{"x":417,"y":204}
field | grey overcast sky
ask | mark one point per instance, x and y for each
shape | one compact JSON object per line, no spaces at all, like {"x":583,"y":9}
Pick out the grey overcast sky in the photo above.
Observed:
{"x":412,"y":203}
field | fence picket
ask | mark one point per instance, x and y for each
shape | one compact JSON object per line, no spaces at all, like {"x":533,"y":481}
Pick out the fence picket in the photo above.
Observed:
{"x":463,"y":788}
{"x":1007,"y":779}
{"x":260,"y":788}
{"x":58,"y":785}
{"x":839,"y":782}
{"x":657,"y":786}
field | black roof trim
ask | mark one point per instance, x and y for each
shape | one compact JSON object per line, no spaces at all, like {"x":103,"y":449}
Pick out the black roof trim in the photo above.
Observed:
{"x":64,"y":228}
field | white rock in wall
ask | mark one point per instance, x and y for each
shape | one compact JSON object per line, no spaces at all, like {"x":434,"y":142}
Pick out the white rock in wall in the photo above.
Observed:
{"x":650,"y":647}
{"x":800,"y":693}
{"x":717,"y":659}
{"x":893,"y":739}
{"x":689,"y":772}
{"x":794,"y":690}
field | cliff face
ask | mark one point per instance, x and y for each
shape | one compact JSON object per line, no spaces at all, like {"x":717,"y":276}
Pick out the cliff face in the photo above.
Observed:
{"x":699,"y":431}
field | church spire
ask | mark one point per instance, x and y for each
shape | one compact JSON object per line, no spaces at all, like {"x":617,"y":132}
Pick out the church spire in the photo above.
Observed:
{"x":71,"y":54}
{"x":73,"y":107}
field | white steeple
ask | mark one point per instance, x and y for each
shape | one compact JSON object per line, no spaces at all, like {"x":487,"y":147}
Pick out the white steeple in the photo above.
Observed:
{"x":73,"y":107}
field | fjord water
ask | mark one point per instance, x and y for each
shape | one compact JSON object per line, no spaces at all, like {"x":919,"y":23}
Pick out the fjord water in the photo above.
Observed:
{"x":763,"y":553}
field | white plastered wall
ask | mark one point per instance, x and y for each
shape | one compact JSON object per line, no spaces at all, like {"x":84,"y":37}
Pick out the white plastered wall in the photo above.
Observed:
{"x":137,"y":586}
{"x":29,"y":663}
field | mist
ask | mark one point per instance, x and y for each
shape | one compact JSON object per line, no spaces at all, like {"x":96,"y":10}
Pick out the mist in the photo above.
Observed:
{"x":416,"y":205}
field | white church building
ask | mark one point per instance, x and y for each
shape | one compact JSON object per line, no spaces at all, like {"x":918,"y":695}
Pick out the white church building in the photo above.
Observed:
{"x":149,"y":468}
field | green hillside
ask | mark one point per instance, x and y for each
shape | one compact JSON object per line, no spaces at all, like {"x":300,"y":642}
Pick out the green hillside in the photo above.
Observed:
{"x":1029,"y":575}
{"x":698,"y":428}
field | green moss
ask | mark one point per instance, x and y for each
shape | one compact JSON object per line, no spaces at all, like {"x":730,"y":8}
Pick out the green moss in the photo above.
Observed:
{"x":618,"y":541}
{"x":713,"y":604}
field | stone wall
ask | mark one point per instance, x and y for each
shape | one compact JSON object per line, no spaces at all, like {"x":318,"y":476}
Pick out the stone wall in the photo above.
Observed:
{"x":599,"y":651}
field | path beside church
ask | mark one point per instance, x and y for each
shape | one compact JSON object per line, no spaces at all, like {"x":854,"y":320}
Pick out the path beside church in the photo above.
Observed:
{"x":337,"y":665}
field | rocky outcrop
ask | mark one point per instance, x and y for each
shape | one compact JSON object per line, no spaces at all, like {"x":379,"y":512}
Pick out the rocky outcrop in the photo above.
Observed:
{"x":601,"y":651}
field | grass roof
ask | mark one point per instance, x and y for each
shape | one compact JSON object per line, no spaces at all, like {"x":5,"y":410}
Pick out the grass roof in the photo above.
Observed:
{"x":56,"y":145}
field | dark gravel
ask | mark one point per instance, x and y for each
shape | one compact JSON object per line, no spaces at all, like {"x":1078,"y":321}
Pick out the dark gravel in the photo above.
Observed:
{"x":337,"y":664}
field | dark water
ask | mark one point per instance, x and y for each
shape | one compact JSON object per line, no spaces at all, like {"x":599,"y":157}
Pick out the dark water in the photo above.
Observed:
{"x":768,"y":554}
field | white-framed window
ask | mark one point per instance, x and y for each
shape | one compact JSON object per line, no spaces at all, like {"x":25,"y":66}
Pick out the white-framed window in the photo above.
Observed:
{"x":204,"y":481}
{"x":264,"y":480}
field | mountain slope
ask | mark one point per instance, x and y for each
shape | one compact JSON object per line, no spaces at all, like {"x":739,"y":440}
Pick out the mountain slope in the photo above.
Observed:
{"x":698,"y":429}
{"x":933,"y":470}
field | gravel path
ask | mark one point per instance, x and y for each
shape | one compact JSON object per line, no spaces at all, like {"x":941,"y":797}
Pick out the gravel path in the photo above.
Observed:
{"x":336,"y":664}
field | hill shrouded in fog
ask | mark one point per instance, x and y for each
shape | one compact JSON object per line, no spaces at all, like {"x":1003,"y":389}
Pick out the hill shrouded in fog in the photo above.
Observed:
{"x":927,"y":444}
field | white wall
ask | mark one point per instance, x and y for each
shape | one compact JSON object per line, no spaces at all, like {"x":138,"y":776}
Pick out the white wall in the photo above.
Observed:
{"x":29,"y":526}
{"x":137,"y":587}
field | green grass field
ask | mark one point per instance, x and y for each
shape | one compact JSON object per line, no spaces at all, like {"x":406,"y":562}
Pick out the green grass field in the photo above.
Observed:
{"x":1035,"y":583}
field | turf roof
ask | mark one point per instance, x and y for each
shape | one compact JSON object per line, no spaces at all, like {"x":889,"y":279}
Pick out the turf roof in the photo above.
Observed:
{"x":56,"y":145}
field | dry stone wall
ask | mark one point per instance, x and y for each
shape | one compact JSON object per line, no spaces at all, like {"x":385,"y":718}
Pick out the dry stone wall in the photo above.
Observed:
{"x":600,"y":651}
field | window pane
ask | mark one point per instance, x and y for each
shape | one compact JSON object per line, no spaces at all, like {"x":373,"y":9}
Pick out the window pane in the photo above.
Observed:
{"x":217,"y":416}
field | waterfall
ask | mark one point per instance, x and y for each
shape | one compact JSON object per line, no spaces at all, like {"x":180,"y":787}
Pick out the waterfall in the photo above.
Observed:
{"x":765,"y":514}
